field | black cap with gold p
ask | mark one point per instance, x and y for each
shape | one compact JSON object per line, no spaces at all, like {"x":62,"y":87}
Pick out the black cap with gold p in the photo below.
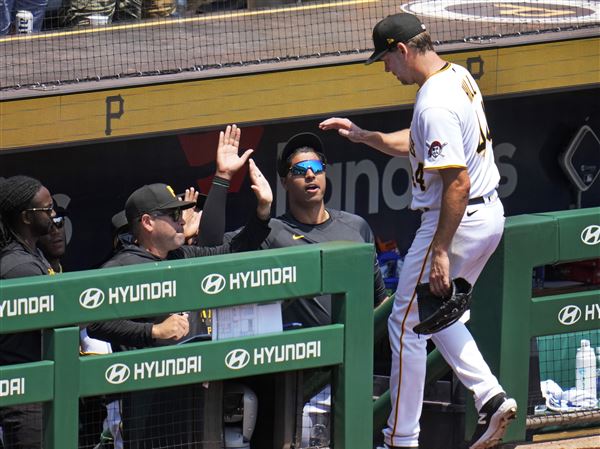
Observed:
{"x":396,"y":28}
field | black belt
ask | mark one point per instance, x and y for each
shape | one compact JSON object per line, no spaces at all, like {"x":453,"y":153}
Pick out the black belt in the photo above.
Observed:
{"x":472,"y":201}
{"x":479,"y":199}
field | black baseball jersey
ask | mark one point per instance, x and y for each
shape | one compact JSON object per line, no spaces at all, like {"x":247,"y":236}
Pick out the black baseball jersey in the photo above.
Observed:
{"x":287,"y":231}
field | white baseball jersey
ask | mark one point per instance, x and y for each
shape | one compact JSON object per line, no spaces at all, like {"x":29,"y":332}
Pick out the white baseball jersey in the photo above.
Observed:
{"x":449,"y":129}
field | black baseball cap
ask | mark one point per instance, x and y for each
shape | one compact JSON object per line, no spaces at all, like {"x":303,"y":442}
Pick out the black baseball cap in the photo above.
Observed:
{"x":396,"y":28}
{"x":301,"y":140}
{"x":119,"y":220}
{"x":153,"y":198}
{"x":59,"y":210}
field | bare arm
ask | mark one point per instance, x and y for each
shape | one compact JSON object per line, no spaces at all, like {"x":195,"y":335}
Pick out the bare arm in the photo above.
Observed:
{"x":455,"y":197}
{"x":392,"y":144}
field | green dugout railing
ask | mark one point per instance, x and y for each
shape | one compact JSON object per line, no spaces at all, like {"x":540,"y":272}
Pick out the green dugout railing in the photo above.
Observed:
{"x":505,"y":315}
{"x":62,"y":377}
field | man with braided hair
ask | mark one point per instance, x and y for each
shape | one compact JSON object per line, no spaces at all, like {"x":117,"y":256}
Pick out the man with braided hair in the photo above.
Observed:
{"x":26,"y":213}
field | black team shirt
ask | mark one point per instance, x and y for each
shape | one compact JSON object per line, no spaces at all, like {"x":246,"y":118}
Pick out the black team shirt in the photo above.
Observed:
{"x":16,"y":261}
{"x":287,"y":231}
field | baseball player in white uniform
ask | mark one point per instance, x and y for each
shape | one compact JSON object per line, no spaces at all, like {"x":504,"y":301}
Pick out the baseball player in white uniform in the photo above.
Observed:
{"x":454,"y":179}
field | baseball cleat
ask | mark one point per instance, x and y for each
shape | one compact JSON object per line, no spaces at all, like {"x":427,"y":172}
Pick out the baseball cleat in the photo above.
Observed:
{"x":494,"y":417}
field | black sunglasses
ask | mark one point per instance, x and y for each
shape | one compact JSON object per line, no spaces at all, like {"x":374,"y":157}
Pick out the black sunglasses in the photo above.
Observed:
{"x":48,"y":210}
{"x":175,"y":214}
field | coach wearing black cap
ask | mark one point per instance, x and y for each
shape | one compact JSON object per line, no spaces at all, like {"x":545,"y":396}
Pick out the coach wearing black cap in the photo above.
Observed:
{"x":155,"y":217}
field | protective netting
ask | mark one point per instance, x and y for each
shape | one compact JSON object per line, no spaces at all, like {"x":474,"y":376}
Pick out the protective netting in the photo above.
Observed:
{"x":564,"y":371}
{"x":77,"y":40}
{"x":166,"y":418}
{"x":564,"y":379}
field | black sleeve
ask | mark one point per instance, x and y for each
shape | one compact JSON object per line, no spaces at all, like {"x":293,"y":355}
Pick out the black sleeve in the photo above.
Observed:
{"x":379,"y":293}
{"x":249,"y":238}
{"x":212,"y":222}
{"x":21,"y":270}
{"x":122,"y":332}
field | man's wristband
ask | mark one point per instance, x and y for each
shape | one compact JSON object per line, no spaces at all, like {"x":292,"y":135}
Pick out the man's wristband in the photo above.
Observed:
{"x":217,"y":180}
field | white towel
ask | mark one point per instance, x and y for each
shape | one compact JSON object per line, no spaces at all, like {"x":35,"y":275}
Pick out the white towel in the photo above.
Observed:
{"x":566,"y":401}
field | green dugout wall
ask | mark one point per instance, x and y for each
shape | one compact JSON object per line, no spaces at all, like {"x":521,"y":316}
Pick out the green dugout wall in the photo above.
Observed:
{"x":505,"y":315}
{"x":59,"y":304}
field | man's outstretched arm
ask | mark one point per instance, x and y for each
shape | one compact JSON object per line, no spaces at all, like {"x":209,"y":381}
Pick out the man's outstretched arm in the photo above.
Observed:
{"x":393,"y":144}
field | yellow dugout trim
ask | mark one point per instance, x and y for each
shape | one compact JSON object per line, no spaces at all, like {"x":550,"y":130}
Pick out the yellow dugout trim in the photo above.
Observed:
{"x":283,"y":95}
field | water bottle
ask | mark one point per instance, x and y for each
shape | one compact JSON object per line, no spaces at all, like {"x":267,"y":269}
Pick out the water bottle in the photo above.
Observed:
{"x":585,"y":369}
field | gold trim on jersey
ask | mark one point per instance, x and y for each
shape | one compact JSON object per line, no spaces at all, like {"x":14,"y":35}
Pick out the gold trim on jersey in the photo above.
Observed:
{"x":441,"y":167}
{"x":443,"y":69}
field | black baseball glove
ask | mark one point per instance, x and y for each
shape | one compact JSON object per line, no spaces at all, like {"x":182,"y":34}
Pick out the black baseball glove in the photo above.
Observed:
{"x":437,"y":313}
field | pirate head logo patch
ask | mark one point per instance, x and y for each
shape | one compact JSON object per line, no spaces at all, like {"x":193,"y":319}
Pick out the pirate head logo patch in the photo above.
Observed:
{"x":435,"y":149}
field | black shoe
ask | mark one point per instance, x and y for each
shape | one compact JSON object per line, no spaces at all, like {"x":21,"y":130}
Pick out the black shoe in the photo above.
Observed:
{"x":494,"y":417}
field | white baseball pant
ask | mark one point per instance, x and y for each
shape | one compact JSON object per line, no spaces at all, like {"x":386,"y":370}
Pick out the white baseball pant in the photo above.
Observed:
{"x":474,"y":242}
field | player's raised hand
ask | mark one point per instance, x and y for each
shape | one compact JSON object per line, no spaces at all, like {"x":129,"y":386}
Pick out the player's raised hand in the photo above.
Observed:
{"x":262,"y":190}
{"x":228,"y":160}
{"x":191,"y":216}
{"x":344,"y":127}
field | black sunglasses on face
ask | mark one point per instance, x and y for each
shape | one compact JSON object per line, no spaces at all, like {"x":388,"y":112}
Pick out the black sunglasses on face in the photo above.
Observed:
{"x":175,"y":214}
{"x":48,"y":210}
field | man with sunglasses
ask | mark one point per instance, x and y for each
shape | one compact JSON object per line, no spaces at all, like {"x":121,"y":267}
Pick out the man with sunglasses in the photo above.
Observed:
{"x":91,"y":410}
{"x":159,"y":418}
{"x":54,"y":244}
{"x":26,"y":215}
{"x":301,"y":167}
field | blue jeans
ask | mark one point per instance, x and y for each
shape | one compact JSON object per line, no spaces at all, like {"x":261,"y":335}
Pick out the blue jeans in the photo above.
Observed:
{"x":9,"y":8}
